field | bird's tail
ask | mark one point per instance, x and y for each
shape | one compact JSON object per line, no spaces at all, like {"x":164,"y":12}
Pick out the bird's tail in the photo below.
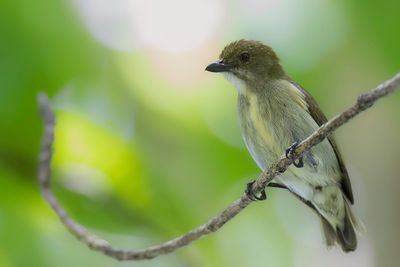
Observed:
{"x":344,"y":235}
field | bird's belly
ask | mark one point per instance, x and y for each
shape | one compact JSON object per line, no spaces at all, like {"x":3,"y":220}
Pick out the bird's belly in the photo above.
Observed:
{"x":298,"y":181}
{"x":267,"y":142}
{"x":302,"y":182}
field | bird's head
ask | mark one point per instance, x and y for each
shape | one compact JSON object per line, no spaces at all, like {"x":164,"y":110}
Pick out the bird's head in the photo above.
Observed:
{"x":249,"y":61}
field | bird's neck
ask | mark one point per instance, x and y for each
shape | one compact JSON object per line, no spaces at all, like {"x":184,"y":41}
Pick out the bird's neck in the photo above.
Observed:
{"x":272,"y":75}
{"x":275,"y":71}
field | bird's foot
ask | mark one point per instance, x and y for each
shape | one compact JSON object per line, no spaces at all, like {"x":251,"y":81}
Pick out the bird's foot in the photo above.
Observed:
{"x":250,"y":194}
{"x":289,"y":155}
{"x":276,"y":185}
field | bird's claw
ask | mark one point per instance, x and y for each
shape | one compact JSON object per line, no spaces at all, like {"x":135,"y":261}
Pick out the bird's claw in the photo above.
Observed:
{"x":250,"y":194}
{"x":289,"y":155}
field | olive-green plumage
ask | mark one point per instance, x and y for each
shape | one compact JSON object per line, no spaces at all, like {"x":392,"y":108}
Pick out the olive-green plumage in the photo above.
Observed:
{"x":275,"y":112}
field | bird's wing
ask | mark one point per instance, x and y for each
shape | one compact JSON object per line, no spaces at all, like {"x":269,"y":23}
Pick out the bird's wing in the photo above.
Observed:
{"x":320,"y":119}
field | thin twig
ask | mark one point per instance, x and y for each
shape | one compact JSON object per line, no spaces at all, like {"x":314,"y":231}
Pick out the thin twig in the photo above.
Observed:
{"x":363,"y":102}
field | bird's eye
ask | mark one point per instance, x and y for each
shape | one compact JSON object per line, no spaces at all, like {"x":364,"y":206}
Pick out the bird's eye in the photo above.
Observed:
{"x":244,"y":57}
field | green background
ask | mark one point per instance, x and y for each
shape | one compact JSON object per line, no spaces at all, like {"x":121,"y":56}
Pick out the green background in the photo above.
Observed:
{"x":147,"y":144}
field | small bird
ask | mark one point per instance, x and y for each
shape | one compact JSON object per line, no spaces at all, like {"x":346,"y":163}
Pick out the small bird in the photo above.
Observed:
{"x":275,"y":113}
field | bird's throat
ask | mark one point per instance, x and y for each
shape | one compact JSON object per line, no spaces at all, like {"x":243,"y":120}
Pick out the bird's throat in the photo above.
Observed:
{"x":238,"y":83}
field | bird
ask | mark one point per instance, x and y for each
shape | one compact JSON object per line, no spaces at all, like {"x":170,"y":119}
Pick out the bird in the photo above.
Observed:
{"x":275,"y":114}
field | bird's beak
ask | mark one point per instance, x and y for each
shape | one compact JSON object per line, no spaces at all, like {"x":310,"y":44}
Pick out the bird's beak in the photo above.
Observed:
{"x":218,"y":66}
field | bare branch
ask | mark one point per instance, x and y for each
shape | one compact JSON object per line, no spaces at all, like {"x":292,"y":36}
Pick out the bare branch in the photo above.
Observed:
{"x":363,"y":102}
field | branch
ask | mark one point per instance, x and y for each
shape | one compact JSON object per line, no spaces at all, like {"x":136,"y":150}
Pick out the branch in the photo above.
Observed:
{"x":363,"y":102}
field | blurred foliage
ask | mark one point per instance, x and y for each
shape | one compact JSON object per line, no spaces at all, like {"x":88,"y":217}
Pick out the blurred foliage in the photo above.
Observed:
{"x":147,"y":145}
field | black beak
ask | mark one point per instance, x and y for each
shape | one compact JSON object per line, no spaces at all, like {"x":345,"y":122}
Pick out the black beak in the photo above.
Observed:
{"x":218,"y":66}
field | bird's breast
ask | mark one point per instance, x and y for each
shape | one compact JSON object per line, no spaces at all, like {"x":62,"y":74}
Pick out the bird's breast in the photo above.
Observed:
{"x":257,"y":131}
{"x":260,"y":124}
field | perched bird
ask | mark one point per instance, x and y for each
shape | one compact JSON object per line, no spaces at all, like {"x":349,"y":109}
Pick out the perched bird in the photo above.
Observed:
{"x":274,"y":114}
